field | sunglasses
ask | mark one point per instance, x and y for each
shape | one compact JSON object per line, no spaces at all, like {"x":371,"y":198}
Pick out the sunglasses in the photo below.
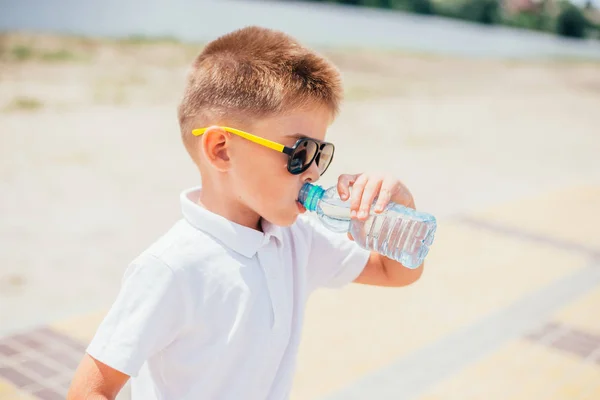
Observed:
{"x":300,"y":156}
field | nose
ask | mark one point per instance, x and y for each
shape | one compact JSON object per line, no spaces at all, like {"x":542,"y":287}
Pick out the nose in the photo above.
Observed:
{"x":312,"y":174}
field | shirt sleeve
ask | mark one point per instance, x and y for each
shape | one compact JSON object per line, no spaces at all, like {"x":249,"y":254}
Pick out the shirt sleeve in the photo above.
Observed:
{"x":146,"y":316}
{"x":334,"y":260}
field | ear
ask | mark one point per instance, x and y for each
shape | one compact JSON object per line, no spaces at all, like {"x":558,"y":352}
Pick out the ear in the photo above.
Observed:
{"x":215,"y":148}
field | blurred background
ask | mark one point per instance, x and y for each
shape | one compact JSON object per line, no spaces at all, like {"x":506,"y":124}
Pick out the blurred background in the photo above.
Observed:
{"x":488,"y":110}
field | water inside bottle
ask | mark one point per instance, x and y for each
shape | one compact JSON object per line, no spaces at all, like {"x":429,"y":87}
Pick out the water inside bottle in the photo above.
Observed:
{"x":398,"y":233}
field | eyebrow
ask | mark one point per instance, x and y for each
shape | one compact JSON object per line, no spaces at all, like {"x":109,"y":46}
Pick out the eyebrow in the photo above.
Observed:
{"x":298,"y":136}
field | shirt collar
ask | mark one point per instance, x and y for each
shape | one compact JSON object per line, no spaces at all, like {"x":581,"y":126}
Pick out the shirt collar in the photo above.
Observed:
{"x":239,"y":238}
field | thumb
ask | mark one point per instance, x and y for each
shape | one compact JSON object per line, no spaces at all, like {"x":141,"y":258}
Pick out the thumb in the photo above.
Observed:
{"x":344,"y":183}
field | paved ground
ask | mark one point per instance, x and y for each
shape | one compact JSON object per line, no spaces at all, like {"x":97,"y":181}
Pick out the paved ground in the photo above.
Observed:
{"x":505,"y":311}
{"x":504,"y":153}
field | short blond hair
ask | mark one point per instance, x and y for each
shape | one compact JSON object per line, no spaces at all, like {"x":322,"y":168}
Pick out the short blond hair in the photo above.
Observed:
{"x":255,"y":73}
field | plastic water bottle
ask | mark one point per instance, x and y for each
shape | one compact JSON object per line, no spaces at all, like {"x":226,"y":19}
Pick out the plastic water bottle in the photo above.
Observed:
{"x":398,"y":232}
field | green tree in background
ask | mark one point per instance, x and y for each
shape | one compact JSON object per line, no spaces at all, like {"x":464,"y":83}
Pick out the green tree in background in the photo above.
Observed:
{"x":571,"y":22}
{"x":482,"y":11}
{"x":415,"y":6}
{"x":422,"y":6}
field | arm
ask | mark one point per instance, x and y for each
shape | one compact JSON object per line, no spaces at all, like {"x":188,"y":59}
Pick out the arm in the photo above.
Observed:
{"x":382,"y":271}
{"x":94,"y":380}
{"x":148,"y":314}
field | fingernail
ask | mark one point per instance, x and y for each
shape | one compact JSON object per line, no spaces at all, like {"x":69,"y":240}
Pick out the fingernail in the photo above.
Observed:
{"x":353,"y":214}
{"x":362,"y":214}
{"x":344,"y":196}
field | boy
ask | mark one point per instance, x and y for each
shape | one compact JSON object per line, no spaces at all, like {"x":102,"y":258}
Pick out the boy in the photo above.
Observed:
{"x":214,"y":308}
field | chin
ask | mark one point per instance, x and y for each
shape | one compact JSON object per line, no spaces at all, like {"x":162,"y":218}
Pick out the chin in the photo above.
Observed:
{"x":284,"y":220}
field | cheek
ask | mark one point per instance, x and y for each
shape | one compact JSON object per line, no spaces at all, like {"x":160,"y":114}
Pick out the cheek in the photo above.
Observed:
{"x":260,"y":159}
{"x":262,"y":177}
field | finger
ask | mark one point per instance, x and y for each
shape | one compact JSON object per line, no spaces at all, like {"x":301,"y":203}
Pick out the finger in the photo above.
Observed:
{"x":371,"y":189}
{"x":406,"y":198}
{"x":350,"y":236}
{"x":344,"y":183}
{"x":357,"y":191}
{"x":388,"y":187}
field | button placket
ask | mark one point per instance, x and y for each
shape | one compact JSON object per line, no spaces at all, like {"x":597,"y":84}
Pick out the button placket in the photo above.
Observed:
{"x":268,"y":261}
{"x":268,"y":258}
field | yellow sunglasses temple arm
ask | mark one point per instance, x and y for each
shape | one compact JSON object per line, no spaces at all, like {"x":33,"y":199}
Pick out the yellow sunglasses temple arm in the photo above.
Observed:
{"x":253,"y":138}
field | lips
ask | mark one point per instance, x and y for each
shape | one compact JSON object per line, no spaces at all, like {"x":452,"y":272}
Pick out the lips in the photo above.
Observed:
{"x":301,"y":208}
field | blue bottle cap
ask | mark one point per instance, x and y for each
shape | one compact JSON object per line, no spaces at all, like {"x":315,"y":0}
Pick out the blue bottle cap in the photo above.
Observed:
{"x":310,"y":195}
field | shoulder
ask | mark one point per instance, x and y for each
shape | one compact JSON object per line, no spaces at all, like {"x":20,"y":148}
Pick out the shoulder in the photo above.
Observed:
{"x":197,"y":260}
{"x":183,"y":259}
{"x":184,"y":247}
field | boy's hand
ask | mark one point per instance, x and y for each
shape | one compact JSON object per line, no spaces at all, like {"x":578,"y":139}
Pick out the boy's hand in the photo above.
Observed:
{"x":366,"y":186}
{"x":379,"y":270}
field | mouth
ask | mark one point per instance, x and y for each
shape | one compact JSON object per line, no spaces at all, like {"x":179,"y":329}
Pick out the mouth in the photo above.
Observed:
{"x":301,"y":208}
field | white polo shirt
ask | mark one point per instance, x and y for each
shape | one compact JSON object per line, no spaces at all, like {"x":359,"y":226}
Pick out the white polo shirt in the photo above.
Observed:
{"x":214,"y":310}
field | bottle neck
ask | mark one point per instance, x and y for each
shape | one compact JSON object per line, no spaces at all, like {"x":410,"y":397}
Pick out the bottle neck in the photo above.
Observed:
{"x":310,"y":195}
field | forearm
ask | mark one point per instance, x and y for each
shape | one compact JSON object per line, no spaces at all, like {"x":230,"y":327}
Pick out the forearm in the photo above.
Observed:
{"x":397,"y":274}
{"x":94,"y":380}
{"x":88,"y":395}
{"x":84,"y":389}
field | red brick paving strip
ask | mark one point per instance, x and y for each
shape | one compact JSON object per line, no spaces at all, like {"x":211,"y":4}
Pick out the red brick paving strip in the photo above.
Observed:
{"x":35,"y":360}
{"x":64,"y":339}
{"x":39,"y":368}
{"x":49,"y":394}
{"x":67,"y":358}
{"x":565,"y":338}
{"x":42,"y":356}
{"x":7,"y":351}
{"x":15,"y":377}
{"x":545,"y":331}
{"x":26,"y":339}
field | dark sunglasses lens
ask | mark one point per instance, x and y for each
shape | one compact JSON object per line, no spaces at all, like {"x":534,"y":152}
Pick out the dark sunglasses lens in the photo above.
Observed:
{"x":302,"y":156}
{"x":324,"y":157}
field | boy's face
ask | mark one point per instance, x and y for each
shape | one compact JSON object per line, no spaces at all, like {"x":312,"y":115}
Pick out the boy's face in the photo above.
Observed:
{"x":259,"y":174}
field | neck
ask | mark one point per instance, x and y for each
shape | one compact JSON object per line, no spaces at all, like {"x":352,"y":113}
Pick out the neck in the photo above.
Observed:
{"x":215,"y":198}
